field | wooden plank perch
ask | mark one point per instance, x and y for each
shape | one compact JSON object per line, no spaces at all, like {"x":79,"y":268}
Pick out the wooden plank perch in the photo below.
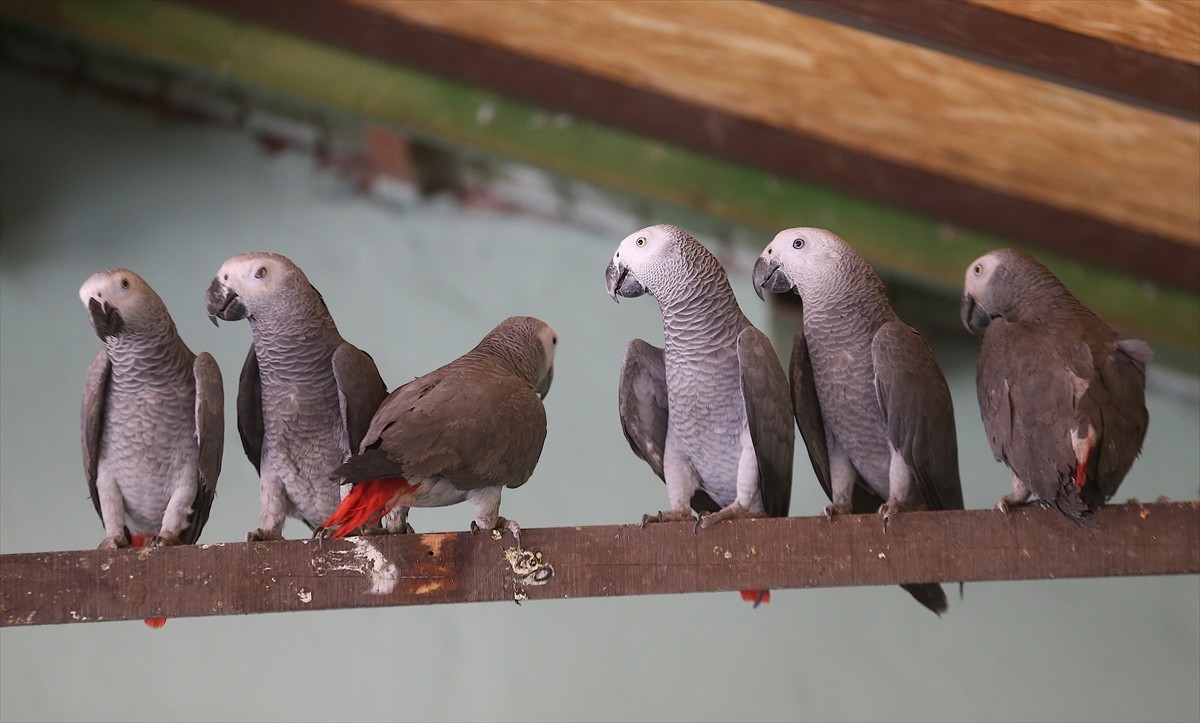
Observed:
{"x":567,"y":562}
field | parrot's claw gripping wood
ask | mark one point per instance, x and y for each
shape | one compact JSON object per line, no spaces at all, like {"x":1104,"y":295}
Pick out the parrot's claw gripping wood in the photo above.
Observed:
{"x":261,"y":535}
{"x":668,"y":516}
{"x":502,"y":524}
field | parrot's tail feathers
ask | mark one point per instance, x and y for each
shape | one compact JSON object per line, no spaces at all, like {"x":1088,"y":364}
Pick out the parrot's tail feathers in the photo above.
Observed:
{"x":930,"y":595}
{"x":758,"y":597}
{"x":366,"y":504}
{"x":155,"y":623}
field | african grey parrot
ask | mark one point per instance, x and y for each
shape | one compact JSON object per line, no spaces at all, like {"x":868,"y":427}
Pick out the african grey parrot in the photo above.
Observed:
{"x":869,"y":397}
{"x":305,"y":396}
{"x":462,"y":432}
{"x":153,"y":418}
{"x":1061,"y":394}
{"x":710,"y":411}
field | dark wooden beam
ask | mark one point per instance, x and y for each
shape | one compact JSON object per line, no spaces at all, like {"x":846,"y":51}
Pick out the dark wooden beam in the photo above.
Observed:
{"x":986,"y":34}
{"x":727,"y":135}
{"x":604,"y":561}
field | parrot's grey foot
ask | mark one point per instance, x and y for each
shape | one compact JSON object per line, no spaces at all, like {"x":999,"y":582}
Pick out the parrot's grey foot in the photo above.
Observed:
{"x":369,"y":530}
{"x":261,"y":535}
{"x":167,"y":540}
{"x":733,"y":512}
{"x":1007,"y":502}
{"x":114,"y":543}
{"x":889,"y":509}
{"x":668,"y":516}
{"x":502,"y":524}
{"x":832,"y":511}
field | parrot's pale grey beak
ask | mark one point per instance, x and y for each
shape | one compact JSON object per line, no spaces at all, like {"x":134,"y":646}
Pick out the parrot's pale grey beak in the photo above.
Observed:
{"x":543,"y":387}
{"x":223,"y":302}
{"x":106,"y":319}
{"x":974,"y":316}
{"x":770,"y":276}
{"x":620,"y":282}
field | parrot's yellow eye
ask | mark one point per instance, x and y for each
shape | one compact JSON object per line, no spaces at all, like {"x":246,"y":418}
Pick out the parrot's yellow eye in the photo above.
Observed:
{"x":798,"y":243}
{"x":641,"y":241}
{"x":978,"y":269}
{"x":262,"y":271}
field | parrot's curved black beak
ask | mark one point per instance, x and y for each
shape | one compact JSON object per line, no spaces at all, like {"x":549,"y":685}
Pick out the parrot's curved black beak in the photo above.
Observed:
{"x":106,"y":319}
{"x":223,"y":302}
{"x":543,"y":386}
{"x":974,"y":316}
{"x":619,"y":281}
{"x":770,"y":276}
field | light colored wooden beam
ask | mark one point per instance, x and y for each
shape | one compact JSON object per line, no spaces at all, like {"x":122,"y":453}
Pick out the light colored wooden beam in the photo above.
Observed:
{"x":907,"y":104}
{"x":249,"y":62}
{"x":1162,"y":27}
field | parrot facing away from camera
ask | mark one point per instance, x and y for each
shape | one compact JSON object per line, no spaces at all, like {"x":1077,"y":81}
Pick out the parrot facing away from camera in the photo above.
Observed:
{"x":464,"y":431}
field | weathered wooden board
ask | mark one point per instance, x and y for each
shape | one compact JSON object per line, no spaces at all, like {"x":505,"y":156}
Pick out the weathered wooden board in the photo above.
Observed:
{"x":601,"y":561}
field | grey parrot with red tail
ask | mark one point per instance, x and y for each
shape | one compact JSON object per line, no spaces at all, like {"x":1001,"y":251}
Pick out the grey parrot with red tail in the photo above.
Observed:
{"x":1062,"y":395}
{"x":462,"y":432}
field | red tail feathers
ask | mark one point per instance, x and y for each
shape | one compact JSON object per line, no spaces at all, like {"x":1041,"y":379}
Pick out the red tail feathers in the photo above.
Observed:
{"x":366,"y":504}
{"x":757,"y":597}
{"x":140,"y":541}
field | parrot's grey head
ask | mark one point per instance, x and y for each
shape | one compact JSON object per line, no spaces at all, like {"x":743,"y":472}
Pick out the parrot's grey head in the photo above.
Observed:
{"x":979,"y":306}
{"x":1007,"y":283}
{"x":802,"y":259}
{"x":527,"y":345}
{"x":252,"y":284}
{"x":657,"y":259}
{"x":119,"y":302}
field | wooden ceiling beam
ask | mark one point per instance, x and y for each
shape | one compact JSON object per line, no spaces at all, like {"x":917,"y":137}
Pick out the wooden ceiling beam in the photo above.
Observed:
{"x":1050,"y":39}
{"x":475,"y":45}
{"x":1169,"y":28}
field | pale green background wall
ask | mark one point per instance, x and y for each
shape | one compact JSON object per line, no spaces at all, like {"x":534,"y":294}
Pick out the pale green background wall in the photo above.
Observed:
{"x":87,"y":184}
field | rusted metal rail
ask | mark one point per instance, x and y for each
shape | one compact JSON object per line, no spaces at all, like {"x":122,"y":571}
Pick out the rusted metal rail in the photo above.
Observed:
{"x":568,"y":562}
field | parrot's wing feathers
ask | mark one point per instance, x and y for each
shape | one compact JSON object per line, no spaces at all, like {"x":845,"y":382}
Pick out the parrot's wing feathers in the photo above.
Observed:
{"x":811,"y":421}
{"x":917,"y":412}
{"x":642,"y":402}
{"x":360,"y":390}
{"x":210,"y":434}
{"x":1021,"y":403}
{"x":95,"y":399}
{"x":769,"y":415}
{"x":476,"y":430}
{"x":807,"y":409}
{"x":249,"y":410}
{"x":1120,"y":398}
